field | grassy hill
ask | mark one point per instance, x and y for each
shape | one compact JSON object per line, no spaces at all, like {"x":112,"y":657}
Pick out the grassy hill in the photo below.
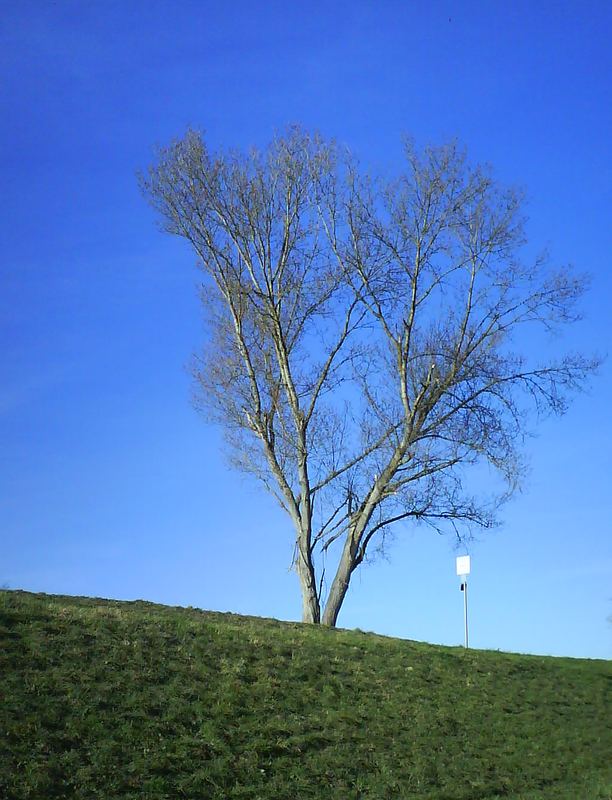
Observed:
{"x":105,"y":699}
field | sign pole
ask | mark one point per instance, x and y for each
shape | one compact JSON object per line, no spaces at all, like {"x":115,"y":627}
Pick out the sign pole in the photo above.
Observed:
{"x":465,"y":612}
{"x":463,"y":570}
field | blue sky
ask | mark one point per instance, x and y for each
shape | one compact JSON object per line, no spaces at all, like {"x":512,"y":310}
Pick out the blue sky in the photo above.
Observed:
{"x":110,"y":484}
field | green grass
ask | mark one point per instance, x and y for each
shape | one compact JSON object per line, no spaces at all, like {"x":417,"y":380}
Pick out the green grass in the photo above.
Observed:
{"x":105,"y":699}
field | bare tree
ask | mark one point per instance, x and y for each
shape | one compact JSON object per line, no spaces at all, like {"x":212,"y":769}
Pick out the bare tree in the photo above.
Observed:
{"x":366,"y":338}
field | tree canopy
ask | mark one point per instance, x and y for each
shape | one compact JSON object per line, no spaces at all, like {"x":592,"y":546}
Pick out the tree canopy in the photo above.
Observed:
{"x":368,"y":336}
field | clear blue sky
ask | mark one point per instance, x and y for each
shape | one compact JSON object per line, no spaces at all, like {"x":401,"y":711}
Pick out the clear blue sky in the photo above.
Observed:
{"x":110,"y":484}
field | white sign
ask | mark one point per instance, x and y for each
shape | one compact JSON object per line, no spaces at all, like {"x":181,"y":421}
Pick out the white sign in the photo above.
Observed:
{"x":463,"y":565}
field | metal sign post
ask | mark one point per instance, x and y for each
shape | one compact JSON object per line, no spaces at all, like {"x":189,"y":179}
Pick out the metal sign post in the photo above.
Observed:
{"x":465,"y":614}
{"x":463,"y":570}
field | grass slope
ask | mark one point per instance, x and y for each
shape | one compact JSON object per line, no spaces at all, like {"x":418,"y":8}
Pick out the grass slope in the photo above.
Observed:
{"x":104,"y":699}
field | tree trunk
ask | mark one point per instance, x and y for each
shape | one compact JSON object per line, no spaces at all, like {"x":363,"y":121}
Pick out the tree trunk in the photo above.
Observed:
{"x":340,"y":583}
{"x":311,"y":610}
{"x":311,"y":607}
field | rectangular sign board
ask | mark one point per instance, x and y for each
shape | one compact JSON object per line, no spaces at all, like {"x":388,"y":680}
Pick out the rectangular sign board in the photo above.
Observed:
{"x":463,"y":565}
